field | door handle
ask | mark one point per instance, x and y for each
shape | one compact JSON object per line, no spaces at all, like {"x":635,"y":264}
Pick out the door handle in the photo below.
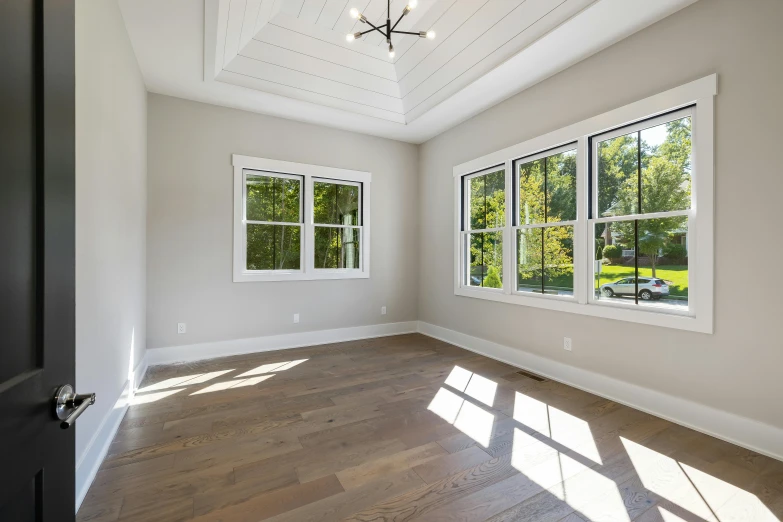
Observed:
{"x":68,"y":406}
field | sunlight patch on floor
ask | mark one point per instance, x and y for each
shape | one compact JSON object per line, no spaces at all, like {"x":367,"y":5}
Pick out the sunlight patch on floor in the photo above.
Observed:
{"x":665,"y":477}
{"x":459,"y":378}
{"x":187,"y":380}
{"x":472,"y":384}
{"x":567,"y":479}
{"x":475,"y":422}
{"x":563,"y":428}
{"x":470,"y":419}
{"x":482,"y":389}
{"x":237,"y":383}
{"x":152,"y":397}
{"x":272,"y":367}
{"x":727,"y":500}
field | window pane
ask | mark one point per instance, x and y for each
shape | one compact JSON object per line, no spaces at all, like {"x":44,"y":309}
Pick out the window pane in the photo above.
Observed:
{"x":487,"y":200}
{"x":663,"y":263}
{"x":531,"y":192}
{"x":337,"y":247}
{"x":561,"y":187}
{"x":486,"y":259}
{"x":273,"y":199}
{"x":559,"y":260}
{"x":529,"y":269}
{"x":666,"y":167}
{"x":273,"y":247}
{"x":335,"y":203}
{"x":618,"y":176}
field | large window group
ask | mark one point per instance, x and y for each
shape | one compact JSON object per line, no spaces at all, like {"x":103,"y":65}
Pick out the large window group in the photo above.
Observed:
{"x":604,"y":224}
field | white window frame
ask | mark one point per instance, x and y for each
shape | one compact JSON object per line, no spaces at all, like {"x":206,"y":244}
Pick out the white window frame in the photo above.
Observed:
{"x":516,"y":226}
{"x":308,"y":174}
{"x":467,"y":231}
{"x":699,"y":95}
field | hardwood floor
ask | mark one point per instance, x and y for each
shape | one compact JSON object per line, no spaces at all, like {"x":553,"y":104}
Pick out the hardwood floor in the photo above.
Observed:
{"x":409,"y":428}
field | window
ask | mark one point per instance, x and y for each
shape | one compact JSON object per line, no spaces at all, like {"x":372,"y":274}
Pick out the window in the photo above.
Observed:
{"x":485,"y":199}
{"x":546,"y":215}
{"x":599,"y":218}
{"x":273,"y":221}
{"x":299,"y":222}
{"x":642,"y":204}
{"x":337,"y":224}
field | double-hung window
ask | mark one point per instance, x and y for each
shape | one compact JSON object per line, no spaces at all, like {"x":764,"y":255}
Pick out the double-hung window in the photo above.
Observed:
{"x":545,"y":220}
{"x":641,"y":209}
{"x":610,"y":217}
{"x":484,"y":221}
{"x":299,"y":222}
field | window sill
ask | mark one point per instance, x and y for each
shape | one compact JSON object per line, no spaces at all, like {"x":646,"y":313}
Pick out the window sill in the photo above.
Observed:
{"x":256,"y":277}
{"x":629,"y":313}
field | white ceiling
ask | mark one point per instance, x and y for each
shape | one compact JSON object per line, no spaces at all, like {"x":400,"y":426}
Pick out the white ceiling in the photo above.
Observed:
{"x":290,"y":58}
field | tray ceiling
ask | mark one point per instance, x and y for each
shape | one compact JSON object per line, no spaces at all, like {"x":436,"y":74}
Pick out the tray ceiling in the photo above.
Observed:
{"x":297,"y":48}
{"x":291,"y":58}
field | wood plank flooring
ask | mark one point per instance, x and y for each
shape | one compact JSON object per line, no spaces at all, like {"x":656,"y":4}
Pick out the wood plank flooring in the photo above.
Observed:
{"x":409,"y":428}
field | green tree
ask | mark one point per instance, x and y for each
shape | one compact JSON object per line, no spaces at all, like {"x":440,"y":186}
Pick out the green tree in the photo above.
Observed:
{"x":666,"y":186}
{"x":487,"y":211}
{"x":493,"y":278}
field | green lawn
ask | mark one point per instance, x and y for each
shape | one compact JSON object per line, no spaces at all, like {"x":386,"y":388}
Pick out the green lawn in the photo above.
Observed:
{"x":676,"y":275}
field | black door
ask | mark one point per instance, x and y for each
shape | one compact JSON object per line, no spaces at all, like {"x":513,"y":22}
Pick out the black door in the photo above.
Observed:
{"x":36,"y":257}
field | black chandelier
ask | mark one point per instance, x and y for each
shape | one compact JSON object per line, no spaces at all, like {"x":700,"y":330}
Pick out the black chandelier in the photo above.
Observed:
{"x":387,"y":30}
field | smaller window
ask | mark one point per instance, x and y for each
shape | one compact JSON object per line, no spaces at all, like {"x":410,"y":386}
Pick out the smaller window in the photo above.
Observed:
{"x":299,"y":222}
{"x":337,"y":219}
{"x":273,"y":221}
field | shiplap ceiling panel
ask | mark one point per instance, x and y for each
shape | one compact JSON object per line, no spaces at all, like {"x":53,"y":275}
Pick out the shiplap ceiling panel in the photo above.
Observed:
{"x":339,"y":54}
{"x":473,"y":26}
{"x":303,"y":63}
{"x":530,"y":19}
{"x":291,"y":58}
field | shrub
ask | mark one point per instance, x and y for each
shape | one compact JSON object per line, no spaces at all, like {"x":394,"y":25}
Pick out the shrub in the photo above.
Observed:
{"x":612,"y":252}
{"x":493,"y":278}
{"x":675,"y":252}
{"x":599,"y":251}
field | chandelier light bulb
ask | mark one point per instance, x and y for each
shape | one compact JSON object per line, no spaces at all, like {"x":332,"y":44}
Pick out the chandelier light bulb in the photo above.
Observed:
{"x":350,"y":37}
{"x":354,"y":13}
{"x":391,"y":53}
{"x":431,"y":35}
{"x":413,"y":3}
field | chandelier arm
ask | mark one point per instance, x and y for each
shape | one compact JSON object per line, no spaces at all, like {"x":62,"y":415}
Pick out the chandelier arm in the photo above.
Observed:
{"x":406,"y":32}
{"x":376,"y":28}
{"x":399,"y":20}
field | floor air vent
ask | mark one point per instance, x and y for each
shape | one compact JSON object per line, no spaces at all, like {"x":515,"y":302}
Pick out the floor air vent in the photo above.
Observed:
{"x":532,"y":376}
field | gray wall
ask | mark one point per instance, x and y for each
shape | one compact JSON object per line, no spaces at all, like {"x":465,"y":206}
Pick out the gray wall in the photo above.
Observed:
{"x":190,"y":232}
{"x":736,"y":369}
{"x":111,"y":196}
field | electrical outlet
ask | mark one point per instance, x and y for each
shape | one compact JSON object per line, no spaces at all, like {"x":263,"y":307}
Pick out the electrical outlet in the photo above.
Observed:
{"x":182,"y":328}
{"x":296,"y":318}
{"x":567,"y":343}
{"x":383,"y":310}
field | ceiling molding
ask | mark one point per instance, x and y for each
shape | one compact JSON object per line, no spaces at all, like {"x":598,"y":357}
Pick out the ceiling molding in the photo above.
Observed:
{"x":290,"y":58}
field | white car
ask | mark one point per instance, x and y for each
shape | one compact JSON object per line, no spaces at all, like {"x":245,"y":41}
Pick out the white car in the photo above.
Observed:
{"x":649,"y":288}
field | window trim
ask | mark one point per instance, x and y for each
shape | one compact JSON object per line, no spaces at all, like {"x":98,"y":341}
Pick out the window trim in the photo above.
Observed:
{"x":700,"y":95}
{"x":308,"y":174}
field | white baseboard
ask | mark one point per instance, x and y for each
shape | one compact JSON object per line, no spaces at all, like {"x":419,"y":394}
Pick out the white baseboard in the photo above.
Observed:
{"x":196,"y":352}
{"x":742,"y":431}
{"x":93,"y":456}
